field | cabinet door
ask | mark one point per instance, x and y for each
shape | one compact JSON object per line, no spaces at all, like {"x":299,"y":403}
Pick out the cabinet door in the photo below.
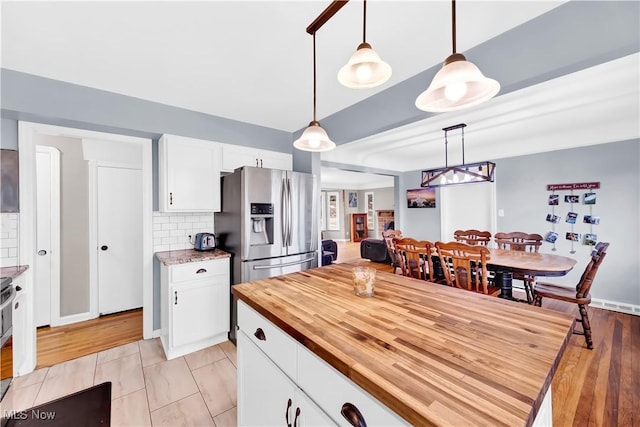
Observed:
{"x":20,"y":334}
{"x":199,"y":310}
{"x":310,"y":414}
{"x":265,"y":393}
{"x":235,"y":156}
{"x":189,"y":175}
{"x":276,"y":160}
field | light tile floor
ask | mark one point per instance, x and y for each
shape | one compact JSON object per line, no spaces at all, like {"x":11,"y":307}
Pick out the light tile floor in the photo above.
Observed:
{"x":198,"y":389}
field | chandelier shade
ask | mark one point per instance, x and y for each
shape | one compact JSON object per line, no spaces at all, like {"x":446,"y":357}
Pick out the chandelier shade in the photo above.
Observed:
{"x":314,"y":138}
{"x":364,"y":69}
{"x":459,"y":84}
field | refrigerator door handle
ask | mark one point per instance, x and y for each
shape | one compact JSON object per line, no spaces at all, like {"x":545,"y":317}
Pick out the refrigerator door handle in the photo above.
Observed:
{"x":290,"y":211}
{"x":283,"y":212}
{"x":287,"y":264}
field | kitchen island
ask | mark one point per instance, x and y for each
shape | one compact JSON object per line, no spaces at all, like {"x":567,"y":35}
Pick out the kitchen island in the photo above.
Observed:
{"x":427,"y":354}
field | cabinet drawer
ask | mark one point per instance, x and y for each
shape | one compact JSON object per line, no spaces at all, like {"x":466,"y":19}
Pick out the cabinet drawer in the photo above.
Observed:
{"x":277,"y":345}
{"x":199,"y":270}
{"x":330,"y":390}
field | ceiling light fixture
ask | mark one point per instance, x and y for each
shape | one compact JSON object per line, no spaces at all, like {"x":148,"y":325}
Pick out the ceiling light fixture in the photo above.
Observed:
{"x":314,"y":138}
{"x":460,"y":174}
{"x":459,"y":84}
{"x":365,"y":69}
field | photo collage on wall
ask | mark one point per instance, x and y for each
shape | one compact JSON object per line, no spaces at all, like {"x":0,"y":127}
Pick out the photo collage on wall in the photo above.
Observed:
{"x":573,"y":213}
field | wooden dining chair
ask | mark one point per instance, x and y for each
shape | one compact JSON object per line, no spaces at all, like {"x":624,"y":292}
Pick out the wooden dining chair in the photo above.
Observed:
{"x":580,"y":295}
{"x":465,"y":266}
{"x":388,"y":236}
{"x":518,"y":241}
{"x":414,"y":257}
{"x":472,"y":237}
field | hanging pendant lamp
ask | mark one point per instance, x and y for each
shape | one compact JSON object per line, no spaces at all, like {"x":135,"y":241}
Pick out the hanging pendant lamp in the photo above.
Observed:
{"x":365,"y":69}
{"x":459,"y":84}
{"x":314,"y":138}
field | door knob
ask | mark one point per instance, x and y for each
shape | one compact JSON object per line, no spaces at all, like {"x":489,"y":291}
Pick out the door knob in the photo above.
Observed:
{"x":104,"y":247}
{"x":42,"y":252}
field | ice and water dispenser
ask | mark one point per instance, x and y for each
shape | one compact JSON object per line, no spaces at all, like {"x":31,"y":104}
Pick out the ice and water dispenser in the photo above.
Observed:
{"x":261,"y":224}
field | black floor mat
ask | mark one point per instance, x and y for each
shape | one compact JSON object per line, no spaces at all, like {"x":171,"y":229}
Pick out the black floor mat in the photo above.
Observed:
{"x":87,"y":408}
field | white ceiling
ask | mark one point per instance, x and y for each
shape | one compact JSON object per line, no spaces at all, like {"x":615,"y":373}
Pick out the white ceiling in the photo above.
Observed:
{"x":251,"y":62}
{"x":248,"y":61}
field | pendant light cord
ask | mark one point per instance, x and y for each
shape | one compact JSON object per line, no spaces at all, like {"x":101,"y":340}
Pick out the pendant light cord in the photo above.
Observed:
{"x":453,"y":24}
{"x":314,"y":76}
{"x":364,"y":21}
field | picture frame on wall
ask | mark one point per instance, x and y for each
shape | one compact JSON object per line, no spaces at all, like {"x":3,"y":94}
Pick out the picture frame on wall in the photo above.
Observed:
{"x":421,"y":198}
{"x":352,"y":197}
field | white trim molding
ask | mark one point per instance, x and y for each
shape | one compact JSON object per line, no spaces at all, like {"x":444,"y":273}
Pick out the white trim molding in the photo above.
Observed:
{"x":27,"y":224}
{"x":616,"y":306}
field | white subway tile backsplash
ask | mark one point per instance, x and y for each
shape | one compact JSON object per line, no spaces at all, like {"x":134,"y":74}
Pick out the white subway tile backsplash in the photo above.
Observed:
{"x":9,"y":239}
{"x":171,"y":231}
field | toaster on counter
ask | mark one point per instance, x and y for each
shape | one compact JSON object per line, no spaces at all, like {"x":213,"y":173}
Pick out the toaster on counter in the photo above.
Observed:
{"x":205,"y":242}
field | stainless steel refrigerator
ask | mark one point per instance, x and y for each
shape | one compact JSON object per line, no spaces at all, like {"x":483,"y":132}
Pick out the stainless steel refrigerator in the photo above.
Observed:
{"x":269,"y":223}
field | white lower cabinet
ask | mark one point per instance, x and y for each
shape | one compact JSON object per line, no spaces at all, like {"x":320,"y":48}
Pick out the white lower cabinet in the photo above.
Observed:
{"x":20,"y":334}
{"x":268,"y":375}
{"x":195,"y":306}
{"x":268,"y":397}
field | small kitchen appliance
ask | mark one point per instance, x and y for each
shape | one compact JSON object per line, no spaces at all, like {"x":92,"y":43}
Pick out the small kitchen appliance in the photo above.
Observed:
{"x":204,"y":242}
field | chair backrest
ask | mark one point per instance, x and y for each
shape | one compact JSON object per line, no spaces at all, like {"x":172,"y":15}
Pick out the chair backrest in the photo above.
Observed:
{"x":388,"y":236}
{"x":597,"y":255}
{"x":414,"y":257}
{"x":517,"y":241}
{"x":472,"y":237}
{"x":465,"y":266}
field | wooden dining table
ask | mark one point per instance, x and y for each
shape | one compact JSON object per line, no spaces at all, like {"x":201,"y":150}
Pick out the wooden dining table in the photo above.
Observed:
{"x":505,"y":262}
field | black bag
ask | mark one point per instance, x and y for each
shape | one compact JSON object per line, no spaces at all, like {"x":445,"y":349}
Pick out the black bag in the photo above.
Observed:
{"x":374,"y":250}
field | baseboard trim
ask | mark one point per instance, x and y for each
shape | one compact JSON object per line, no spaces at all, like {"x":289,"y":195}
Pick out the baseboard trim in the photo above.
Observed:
{"x":156,"y":333}
{"x":616,"y":306}
{"x":74,"y":318}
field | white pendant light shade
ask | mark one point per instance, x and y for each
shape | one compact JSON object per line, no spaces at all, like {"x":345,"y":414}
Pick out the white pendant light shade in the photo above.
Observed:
{"x":459,"y":84}
{"x":365,"y":69}
{"x":314,"y":138}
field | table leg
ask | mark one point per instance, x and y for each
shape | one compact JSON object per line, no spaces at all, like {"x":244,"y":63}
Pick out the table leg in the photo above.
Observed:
{"x":504,"y":280}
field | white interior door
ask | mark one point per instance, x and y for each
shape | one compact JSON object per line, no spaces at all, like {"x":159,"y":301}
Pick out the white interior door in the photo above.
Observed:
{"x":467,"y":207}
{"x":119,"y":238}
{"x":47,"y":261}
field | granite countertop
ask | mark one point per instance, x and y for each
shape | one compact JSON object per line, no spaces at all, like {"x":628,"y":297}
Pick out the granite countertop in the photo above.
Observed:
{"x":14,"y":271}
{"x":433,"y":354}
{"x":189,"y":255}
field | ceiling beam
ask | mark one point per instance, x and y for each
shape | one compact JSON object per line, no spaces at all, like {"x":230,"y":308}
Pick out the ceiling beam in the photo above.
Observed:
{"x":326,"y":14}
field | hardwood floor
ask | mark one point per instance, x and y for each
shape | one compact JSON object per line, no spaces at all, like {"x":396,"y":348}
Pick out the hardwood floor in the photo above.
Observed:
{"x":62,"y":343}
{"x":599,"y":387}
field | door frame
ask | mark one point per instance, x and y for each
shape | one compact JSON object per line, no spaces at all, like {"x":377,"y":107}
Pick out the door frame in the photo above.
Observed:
{"x":54,"y":300}
{"x":446,"y":211}
{"x":27,"y":224}
{"x":94,"y":283}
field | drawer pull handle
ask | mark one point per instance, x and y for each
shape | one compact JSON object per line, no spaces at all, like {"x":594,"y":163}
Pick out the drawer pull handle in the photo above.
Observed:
{"x":175,"y":294}
{"x":295,"y":420}
{"x":259,"y":333}
{"x":202,"y":270}
{"x":170,"y":199}
{"x":286,"y":414}
{"x":351,"y":413}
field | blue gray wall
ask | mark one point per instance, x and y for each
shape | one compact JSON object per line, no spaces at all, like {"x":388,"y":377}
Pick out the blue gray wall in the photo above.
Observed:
{"x":521,"y":191}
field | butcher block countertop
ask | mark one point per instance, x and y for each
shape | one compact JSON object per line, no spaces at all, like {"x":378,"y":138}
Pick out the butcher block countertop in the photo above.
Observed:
{"x":433,"y":354}
{"x":189,"y":255}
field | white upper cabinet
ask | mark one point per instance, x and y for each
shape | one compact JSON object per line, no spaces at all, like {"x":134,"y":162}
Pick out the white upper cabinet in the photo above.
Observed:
{"x":235,"y":156}
{"x":188,"y":174}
